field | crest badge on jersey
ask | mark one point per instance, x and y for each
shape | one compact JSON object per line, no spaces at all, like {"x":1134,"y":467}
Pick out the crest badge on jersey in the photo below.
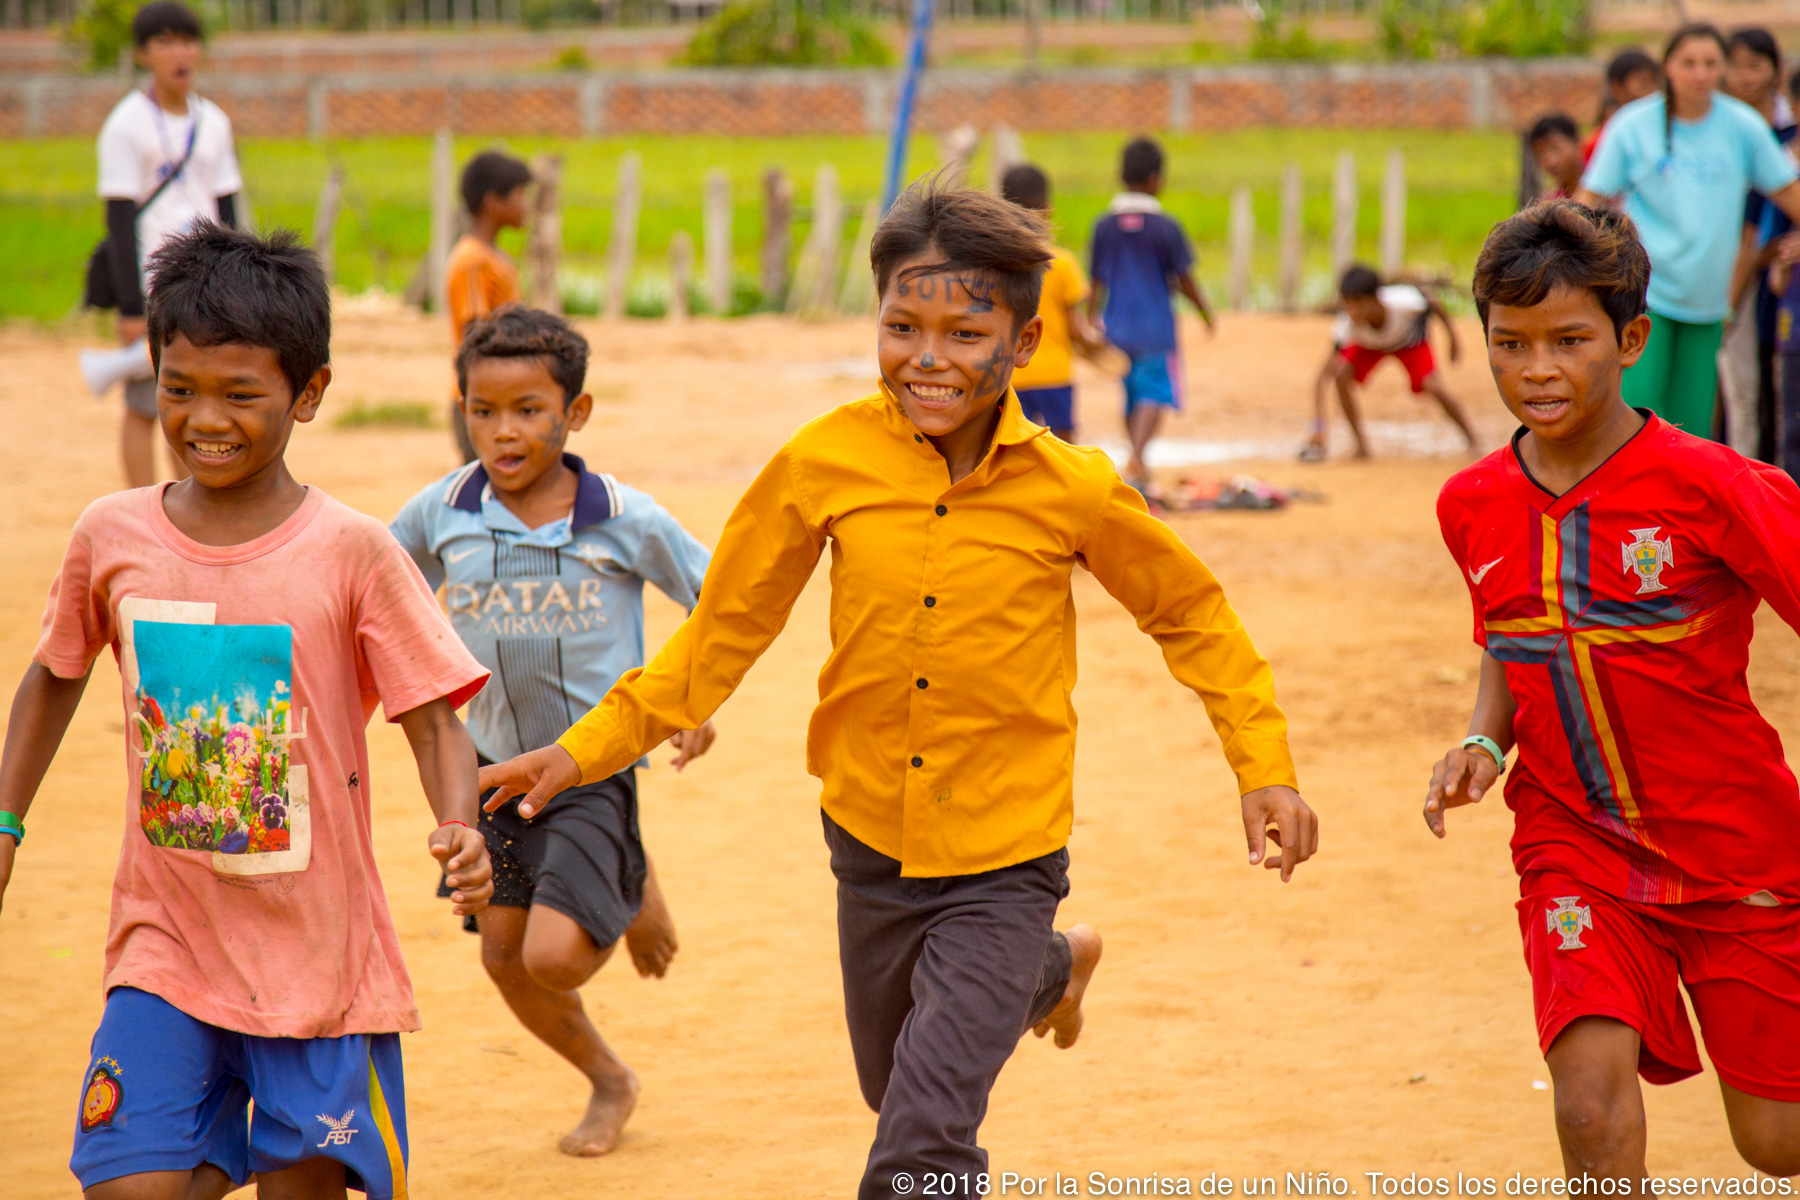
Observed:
{"x":1569,"y":918}
{"x":100,"y":1100}
{"x":1648,"y":557}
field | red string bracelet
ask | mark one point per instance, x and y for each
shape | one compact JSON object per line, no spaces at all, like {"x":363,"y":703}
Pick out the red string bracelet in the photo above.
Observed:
{"x":464,"y":824}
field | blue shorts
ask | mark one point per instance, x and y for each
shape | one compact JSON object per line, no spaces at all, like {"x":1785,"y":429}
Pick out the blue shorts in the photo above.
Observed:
{"x":1051,"y":407}
{"x":165,"y":1092}
{"x":1153,"y":379}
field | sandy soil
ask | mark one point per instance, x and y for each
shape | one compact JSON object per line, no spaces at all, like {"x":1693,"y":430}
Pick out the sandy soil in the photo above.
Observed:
{"x":1374,"y":1015}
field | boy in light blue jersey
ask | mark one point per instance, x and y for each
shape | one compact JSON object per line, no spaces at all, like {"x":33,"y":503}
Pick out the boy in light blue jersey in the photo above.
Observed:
{"x":542,"y":565}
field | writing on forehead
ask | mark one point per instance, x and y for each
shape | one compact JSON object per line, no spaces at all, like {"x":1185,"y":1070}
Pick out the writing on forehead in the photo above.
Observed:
{"x":926,"y":277}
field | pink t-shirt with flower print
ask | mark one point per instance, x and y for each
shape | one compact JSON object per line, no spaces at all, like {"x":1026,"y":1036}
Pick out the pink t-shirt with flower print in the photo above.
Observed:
{"x":246,"y":894}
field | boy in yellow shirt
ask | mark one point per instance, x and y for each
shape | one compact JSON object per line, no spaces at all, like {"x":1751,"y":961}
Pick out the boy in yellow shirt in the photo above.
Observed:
{"x":480,"y":277}
{"x":1045,"y":385}
{"x":944,"y":735}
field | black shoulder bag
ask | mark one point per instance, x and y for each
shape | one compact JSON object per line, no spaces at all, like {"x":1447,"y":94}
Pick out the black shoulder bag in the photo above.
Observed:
{"x":101,"y":289}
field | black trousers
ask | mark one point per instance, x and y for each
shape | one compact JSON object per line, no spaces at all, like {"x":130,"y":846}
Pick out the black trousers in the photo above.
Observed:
{"x":941,"y":977}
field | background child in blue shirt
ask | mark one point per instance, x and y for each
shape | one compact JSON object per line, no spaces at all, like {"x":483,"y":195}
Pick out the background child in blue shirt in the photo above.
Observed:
{"x":1139,"y":254}
{"x":543,"y":565}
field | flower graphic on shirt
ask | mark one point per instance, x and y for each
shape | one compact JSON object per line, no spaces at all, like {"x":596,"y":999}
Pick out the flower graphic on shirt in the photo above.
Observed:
{"x":216,"y":779}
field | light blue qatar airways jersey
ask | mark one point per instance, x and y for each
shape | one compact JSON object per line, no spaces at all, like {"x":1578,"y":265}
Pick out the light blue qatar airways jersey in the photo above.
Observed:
{"x":556,"y":612}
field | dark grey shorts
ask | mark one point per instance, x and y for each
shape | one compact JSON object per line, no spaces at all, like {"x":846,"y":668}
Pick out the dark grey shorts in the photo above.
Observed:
{"x":582,"y":856}
{"x":140,"y":397}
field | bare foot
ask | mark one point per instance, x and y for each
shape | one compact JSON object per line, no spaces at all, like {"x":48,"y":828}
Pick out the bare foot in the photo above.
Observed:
{"x":1066,"y":1019}
{"x":607,"y":1111}
{"x":651,"y":938}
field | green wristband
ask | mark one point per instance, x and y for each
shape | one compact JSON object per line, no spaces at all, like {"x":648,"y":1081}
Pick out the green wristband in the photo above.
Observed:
{"x":11,"y":825}
{"x":1490,"y":746}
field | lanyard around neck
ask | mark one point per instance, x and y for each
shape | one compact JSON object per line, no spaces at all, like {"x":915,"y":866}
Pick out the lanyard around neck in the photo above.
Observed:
{"x":171,"y":165}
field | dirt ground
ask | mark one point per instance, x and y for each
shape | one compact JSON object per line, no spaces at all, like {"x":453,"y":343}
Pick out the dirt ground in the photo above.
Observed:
{"x":1374,"y":1015}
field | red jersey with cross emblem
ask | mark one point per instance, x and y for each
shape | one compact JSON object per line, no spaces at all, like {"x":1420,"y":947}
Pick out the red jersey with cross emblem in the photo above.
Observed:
{"x":1622,"y":613}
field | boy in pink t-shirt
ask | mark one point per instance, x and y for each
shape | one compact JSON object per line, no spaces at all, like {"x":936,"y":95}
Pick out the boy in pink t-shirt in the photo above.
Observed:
{"x":257,"y":623}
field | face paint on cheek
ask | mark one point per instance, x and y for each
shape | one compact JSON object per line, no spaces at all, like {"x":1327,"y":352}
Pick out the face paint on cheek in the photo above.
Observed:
{"x":993,"y":371}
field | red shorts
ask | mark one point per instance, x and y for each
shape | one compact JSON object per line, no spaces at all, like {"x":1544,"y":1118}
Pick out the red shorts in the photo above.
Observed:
{"x":1416,"y":358}
{"x":1592,"y":955}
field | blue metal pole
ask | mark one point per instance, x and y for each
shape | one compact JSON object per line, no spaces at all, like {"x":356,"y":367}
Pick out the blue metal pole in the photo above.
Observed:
{"x":915,"y":65}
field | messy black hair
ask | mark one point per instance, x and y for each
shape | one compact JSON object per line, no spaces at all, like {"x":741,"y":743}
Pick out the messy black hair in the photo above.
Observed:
{"x":165,"y":16}
{"x":1628,"y":62}
{"x":1758,"y":41}
{"x":1565,"y":244}
{"x":1142,"y":159}
{"x":1026,"y":185}
{"x":969,"y":233}
{"x":491,"y":173}
{"x":1358,"y":280}
{"x":1554,"y":124}
{"x":217,"y":286}
{"x":515,"y":331}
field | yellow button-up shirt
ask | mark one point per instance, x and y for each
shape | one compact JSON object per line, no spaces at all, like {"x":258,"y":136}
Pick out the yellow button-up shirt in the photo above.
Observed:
{"x":944,"y":735}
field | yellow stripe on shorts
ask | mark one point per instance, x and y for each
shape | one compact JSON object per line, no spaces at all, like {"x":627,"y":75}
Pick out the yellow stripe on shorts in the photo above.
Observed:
{"x":384,"y":1124}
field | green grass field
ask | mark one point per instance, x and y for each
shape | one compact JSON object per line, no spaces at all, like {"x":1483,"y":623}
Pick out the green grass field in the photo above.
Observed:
{"x":1460,"y":184}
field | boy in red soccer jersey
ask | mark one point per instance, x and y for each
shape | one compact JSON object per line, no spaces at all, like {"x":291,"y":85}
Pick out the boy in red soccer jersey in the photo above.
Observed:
{"x":1614,"y":562}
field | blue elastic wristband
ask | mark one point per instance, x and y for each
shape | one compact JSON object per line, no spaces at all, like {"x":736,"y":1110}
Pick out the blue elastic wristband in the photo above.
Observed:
{"x":1488,"y":744}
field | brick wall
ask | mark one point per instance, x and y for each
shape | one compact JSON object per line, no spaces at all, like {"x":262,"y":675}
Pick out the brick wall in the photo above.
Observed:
{"x":1491,"y":94}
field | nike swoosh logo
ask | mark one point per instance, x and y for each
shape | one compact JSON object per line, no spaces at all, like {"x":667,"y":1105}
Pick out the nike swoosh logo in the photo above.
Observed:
{"x":455,"y":558}
{"x":1476,"y":576}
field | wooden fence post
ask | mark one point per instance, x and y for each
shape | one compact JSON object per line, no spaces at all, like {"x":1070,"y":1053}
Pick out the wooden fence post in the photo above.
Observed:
{"x":716,"y":231}
{"x":622,"y":250}
{"x":544,"y":249}
{"x":681,"y":275}
{"x":1293,"y":197}
{"x":1343,"y":215}
{"x":778,"y":235}
{"x":1393,"y":215}
{"x":443,"y":220}
{"x":325,"y":218}
{"x":1242,"y":235}
{"x":815,"y":280}
{"x":1008,"y":152}
{"x":955,"y":149}
{"x":858,"y":297}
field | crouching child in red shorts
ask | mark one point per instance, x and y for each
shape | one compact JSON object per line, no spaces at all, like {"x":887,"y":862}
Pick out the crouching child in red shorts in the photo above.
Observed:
{"x":1377,"y":321}
{"x":1615,"y":563}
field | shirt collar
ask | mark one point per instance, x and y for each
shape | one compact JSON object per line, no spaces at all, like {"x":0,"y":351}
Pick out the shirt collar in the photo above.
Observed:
{"x":596,"y":496}
{"x":1137,"y":202}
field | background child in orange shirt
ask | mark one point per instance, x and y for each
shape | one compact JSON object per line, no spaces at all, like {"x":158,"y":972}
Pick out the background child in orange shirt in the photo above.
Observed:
{"x":479,"y":276}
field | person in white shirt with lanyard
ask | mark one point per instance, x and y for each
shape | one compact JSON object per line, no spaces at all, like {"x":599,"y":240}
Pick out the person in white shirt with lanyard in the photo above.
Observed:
{"x":167,"y":162}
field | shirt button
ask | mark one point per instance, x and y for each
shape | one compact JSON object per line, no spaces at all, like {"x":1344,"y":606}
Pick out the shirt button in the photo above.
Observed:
{"x":923,"y":685}
{"x":918,"y":437}
{"x":917,"y":761}
{"x":941,"y":510}
{"x":931,"y":602}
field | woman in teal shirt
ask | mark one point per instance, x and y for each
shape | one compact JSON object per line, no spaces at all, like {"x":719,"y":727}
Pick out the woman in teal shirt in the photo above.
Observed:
{"x":1684,"y":161}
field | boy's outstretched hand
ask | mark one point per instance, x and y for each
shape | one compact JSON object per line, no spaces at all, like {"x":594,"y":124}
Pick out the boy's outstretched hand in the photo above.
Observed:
{"x":462,"y":852}
{"x":692,"y":743}
{"x":1461,"y":777}
{"x":1277,"y":814}
{"x":536,"y":778}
